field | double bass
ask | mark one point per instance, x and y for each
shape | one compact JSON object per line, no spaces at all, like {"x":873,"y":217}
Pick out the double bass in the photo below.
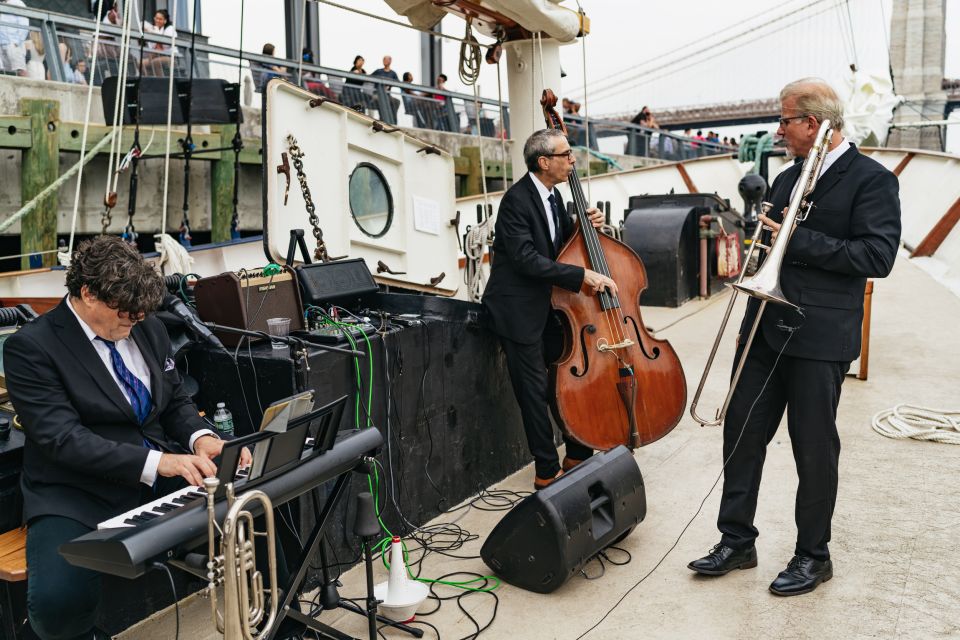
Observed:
{"x":613,"y":383}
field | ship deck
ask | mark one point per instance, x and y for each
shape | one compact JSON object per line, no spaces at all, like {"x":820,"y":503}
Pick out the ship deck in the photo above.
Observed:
{"x":895,"y":568}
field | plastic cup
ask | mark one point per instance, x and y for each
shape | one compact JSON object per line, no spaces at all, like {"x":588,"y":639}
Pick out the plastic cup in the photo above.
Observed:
{"x":279,"y":327}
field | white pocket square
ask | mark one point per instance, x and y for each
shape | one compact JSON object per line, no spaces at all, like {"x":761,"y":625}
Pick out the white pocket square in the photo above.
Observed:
{"x":169,"y":365}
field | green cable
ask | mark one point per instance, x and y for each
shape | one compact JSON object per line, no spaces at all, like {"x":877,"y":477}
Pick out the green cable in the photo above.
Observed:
{"x":464,"y":584}
{"x":381,"y":546}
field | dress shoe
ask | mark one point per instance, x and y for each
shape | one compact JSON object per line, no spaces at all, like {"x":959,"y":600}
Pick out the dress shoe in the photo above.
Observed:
{"x":569,"y":463}
{"x":802,"y":575}
{"x":543,"y":483}
{"x":722,"y":560}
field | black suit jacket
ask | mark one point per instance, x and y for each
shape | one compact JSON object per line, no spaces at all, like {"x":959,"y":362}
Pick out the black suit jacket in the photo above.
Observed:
{"x":84,"y":450}
{"x":524,"y":264}
{"x":851,"y":234}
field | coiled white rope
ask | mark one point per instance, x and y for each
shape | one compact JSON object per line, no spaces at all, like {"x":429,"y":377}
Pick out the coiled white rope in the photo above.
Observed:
{"x":474,"y":245}
{"x":920,"y":423}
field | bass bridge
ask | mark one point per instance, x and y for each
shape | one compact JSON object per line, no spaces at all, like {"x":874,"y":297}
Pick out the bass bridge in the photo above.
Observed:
{"x":603,"y":345}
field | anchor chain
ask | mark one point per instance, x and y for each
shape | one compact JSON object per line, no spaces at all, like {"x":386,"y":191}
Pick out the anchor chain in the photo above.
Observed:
{"x":296,"y":156}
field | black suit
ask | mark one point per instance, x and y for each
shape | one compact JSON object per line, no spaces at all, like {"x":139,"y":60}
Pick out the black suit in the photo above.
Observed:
{"x":84,"y":451}
{"x":523,"y":272}
{"x":851,"y":234}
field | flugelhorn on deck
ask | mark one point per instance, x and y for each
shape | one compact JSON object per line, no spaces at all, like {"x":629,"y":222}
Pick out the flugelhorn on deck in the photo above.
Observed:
{"x":765,"y":283}
{"x":235,"y":566}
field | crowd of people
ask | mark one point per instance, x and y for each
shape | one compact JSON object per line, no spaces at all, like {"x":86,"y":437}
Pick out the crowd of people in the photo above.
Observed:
{"x":23,"y":52}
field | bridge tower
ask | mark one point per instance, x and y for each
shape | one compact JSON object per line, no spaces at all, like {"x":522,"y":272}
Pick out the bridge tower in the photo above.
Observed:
{"x":917,"y":54}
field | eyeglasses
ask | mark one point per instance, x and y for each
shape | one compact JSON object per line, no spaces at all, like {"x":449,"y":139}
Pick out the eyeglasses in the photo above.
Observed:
{"x":567,"y":154}
{"x":785,"y":121}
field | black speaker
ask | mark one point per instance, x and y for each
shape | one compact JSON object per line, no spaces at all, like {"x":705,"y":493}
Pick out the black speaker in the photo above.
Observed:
{"x":321,"y":282}
{"x":552,"y":533}
{"x":211,"y":100}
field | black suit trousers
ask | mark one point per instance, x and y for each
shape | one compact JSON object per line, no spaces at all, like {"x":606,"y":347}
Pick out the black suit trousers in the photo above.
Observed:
{"x":528,"y":376}
{"x":809,"y":392}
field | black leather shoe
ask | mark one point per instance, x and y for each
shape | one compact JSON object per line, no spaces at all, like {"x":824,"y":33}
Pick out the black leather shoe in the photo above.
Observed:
{"x":802,"y":575}
{"x":722,"y":560}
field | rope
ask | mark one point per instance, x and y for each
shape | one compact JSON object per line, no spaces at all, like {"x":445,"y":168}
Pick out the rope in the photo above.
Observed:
{"x":303,"y":30}
{"x":56,"y":184}
{"x":83,"y":136}
{"x":586,"y":121}
{"x":469,"y":57}
{"x":503,"y":130}
{"x":166,"y":152}
{"x":920,"y":423}
{"x":113,"y":175}
{"x":478,"y":237}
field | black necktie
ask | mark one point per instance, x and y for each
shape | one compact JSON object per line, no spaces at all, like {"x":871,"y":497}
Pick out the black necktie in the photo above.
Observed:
{"x":556,"y":221}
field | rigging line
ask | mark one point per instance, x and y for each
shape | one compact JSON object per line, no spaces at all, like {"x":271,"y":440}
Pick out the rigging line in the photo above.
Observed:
{"x":83,"y":135}
{"x":853,"y":41}
{"x":643,"y":81}
{"x":166,"y":153}
{"x":483,"y":164}
{"x":842,"y":30}
{"x":135,"y":150}
{"x":237,"y":139}
{"x":503,"y":130}
{"x":658,"y":65}
{"x":543,"y":81}
{"x":118,"y":103}
{"x":187,"y":144}
{"x":303,"y":30}
{"x":586,"y":119}
{"x":388,"y":20}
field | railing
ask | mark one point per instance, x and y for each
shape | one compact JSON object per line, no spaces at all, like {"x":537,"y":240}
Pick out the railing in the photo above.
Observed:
{"x":71,"y":41}
{"x":641,"y":141}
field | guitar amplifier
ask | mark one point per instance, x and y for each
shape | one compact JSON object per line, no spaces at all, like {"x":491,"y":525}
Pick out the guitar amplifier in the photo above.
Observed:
{"x":246,"y":299}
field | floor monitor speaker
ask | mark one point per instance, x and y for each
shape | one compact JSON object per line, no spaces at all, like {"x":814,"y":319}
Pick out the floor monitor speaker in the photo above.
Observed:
{"x":552,"y":533}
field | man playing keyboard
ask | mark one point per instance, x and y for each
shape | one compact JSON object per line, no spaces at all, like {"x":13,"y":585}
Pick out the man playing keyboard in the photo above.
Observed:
{"x":105,"y":417}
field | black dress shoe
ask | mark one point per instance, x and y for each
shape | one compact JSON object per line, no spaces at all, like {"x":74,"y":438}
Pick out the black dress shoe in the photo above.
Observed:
{"x":722,"y":560}
{"x":802,"y":575}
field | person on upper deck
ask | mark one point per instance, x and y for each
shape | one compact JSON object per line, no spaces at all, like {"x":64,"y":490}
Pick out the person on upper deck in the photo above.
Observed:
{"x":532,"y":226}
{"x":798,"y":359}
{"x":105,"y":415}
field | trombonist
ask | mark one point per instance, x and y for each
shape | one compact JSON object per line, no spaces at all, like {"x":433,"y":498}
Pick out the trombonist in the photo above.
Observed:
{"x":798,"y":360}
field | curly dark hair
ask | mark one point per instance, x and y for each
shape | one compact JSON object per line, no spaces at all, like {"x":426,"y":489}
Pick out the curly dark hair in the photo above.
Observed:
{"x":114,"y":272}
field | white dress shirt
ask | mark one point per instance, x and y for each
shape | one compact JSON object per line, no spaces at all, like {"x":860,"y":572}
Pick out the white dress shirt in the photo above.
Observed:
{"x":832,"y":156}
{"x":545,"y":196}
{"x":133,"y":359}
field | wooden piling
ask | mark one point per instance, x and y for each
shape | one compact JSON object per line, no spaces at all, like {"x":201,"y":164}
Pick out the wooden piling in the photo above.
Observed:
{"x":221,"y":188}
{"x":40,"y":167}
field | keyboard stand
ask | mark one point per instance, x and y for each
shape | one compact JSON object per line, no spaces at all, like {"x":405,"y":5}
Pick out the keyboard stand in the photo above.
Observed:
{"x":295,"y":583}
{"x":314,"y":541}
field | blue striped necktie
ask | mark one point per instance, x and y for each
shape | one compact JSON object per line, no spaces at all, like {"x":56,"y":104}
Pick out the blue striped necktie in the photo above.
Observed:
{"x":136,"y":391}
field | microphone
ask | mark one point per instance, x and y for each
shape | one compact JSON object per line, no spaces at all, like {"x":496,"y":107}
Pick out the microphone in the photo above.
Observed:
{"x":173,"y":304}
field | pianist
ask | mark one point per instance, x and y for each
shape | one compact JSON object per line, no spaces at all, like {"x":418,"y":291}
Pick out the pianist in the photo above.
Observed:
{"x":105,"y":416}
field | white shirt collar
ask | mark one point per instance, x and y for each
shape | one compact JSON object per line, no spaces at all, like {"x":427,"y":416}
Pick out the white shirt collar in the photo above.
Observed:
{"x":834,"y":155}
{"x":91,"y":334}
{"x":541,"y":189}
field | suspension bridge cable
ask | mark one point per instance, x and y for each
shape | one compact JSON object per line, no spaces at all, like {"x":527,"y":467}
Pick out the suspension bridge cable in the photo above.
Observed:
{"x":644,"y":80}
{"x":659,"y":64}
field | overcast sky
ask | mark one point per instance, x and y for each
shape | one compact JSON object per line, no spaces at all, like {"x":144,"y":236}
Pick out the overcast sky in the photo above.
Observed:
{"x":627,"y":53}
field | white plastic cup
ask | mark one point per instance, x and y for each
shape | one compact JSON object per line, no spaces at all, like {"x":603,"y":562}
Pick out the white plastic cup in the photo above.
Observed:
{"x":279,"y":327}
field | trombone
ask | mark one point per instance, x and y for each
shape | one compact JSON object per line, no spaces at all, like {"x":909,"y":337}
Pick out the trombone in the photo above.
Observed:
{"x":765,"y":283}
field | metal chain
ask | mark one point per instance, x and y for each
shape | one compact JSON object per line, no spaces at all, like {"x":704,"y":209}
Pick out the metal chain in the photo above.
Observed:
{"x":106,"y":218}
{"x":296,"y":156}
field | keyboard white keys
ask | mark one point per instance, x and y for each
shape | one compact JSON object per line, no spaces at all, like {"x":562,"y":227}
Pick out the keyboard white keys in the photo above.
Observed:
{"x":162,"y":505}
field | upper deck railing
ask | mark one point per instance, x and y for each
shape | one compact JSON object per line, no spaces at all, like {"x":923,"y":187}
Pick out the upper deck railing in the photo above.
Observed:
{"x":59,"y":48}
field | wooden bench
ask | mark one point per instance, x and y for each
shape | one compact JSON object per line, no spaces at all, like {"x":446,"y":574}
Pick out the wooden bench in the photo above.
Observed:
{"x":13,"y":568}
